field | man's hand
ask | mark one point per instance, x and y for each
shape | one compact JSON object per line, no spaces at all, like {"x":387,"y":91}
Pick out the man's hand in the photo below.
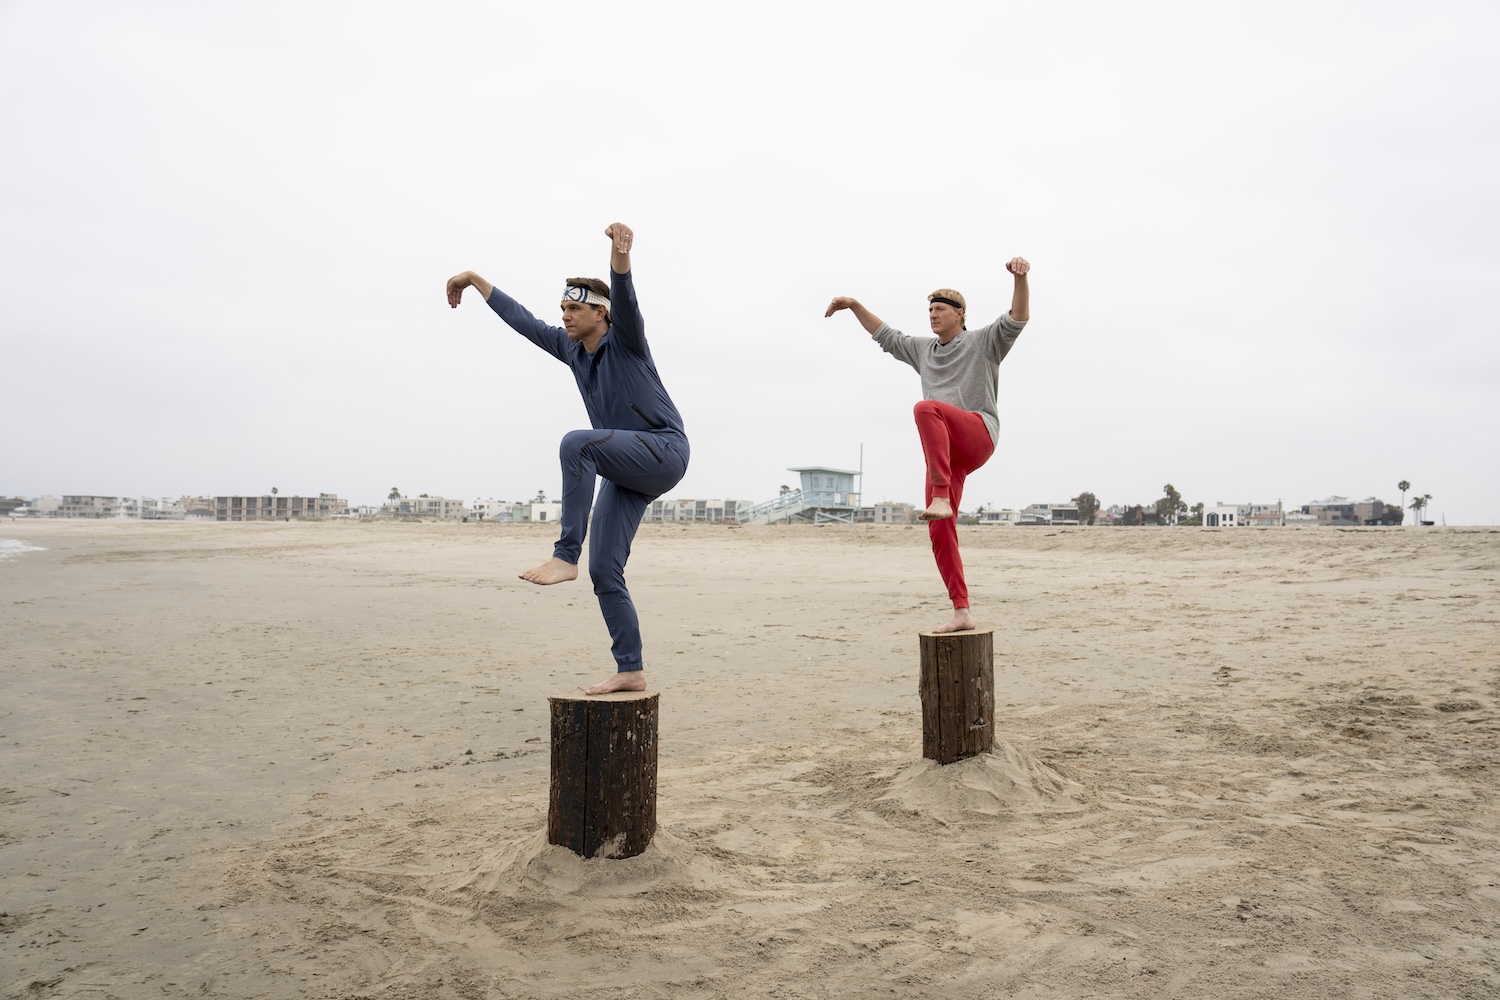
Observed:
{"x":621,"y":236}
{"x":459,"y":282}
{"x":620,"y":239}
{"x":867,"y":319}
{"x":842,"y":302}
{"x":1020,"y":299}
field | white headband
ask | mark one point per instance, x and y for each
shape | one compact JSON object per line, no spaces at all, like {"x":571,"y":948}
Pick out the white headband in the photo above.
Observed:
{"x":589,"y":297}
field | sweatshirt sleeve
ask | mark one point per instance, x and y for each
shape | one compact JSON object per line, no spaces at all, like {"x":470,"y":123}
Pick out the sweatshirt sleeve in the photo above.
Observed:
{"x":1000,"y":336}
{"x":898,"y":345}
{"x":626,"y":327}
{"x":551,"y":339}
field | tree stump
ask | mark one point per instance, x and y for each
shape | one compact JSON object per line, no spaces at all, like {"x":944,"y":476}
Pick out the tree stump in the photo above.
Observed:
{"x":958,"y":694}
{"x":603,"y":794}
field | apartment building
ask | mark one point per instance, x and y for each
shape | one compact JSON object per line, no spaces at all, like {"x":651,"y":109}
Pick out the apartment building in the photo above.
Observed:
{"x":279,"y":508}
{"x":890,"y":512}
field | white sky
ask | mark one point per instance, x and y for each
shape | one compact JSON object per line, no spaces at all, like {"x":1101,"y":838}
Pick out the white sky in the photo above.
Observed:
{"x":1263,"y":238}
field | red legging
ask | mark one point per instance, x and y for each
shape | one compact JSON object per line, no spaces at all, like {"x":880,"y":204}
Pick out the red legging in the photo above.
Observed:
{"x":955,"y":442}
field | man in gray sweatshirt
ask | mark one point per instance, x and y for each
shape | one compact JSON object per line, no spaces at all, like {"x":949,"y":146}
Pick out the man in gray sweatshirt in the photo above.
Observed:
{"x":957,"y":419}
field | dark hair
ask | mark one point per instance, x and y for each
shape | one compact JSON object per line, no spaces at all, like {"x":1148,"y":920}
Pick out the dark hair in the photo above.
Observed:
{"x":592,"y":284}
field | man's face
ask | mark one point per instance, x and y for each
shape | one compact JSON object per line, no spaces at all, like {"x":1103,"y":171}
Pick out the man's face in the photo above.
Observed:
{"x":947,"y":322}
{"x":582,"y":321}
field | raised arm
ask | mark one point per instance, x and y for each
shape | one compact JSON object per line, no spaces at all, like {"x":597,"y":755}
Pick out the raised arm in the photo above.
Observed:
{"x":867,"y":319}
{"x":1020,"y":299}
{"x":620,"y":239}
{"x":626,"y":326}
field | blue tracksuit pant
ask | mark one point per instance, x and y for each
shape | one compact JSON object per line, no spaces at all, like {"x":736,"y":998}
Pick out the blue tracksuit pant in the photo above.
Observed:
{"x":637,"y":467}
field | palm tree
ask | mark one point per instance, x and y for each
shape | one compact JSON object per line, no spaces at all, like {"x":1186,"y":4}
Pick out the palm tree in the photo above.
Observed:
{"x":1403,"y":486}
{"x":395,"y":493}
{"x":1419,"y":504}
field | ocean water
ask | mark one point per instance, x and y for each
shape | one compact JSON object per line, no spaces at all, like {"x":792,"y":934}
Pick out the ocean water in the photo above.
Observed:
{"x":13,"y":546}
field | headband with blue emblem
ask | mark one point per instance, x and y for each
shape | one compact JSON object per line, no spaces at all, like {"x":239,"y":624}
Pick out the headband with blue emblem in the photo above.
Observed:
{"x":589,"y":297}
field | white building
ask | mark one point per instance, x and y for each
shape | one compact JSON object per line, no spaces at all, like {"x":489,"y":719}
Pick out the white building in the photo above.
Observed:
{"x":713,"y":511}
{"x":549,"y":511}
{"x":1049,"y":513}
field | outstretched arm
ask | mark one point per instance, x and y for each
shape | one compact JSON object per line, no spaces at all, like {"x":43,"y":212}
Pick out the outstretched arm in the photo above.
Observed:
{"x":867,"y":319}
{"x":1020,"y":299}
{"x":459,"y":282}
{"x":549,"y":338}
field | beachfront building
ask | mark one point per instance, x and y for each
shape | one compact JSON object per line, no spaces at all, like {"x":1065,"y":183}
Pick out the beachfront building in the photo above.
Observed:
{"x":426,"y":508}
{"x":279,"y":508}
{"x":712,"y":511}
{"x":490,"y":509}
{"x":197,"y":508}
{"x":1222,"y":515}
{"x":149,"y":508}
{"x":1262,"y":515}
{"x":1049,"y":513}
{"x":540,"y":509}
{"x":84,"y":505}
{"x":891,"y":512}
{"x":1371,"y":511}
{"x":1332,"y":511}
{"x":1005,"y":517}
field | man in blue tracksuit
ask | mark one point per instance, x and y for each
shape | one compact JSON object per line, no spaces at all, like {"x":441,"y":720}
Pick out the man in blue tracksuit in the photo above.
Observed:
{"x":637,"y":444}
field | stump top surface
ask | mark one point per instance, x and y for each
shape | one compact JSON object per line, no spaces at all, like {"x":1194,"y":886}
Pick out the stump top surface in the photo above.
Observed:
{"x":964,"y":632}
{"x":612,"y":696}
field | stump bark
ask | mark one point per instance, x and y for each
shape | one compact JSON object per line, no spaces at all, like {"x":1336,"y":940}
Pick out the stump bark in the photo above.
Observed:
{"x":603,"y":793}
{"x":958,"y":694}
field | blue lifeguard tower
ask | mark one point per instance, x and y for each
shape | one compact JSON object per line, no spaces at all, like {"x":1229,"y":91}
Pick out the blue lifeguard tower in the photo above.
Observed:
{"x":826,"y":495}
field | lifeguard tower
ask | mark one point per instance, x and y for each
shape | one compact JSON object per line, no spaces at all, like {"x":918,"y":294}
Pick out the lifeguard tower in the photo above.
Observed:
{"x":826,"y":495}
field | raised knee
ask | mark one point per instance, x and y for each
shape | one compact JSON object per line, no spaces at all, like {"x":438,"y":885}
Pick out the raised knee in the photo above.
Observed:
{"x":927,"y":407}
{"x":574,"y":442}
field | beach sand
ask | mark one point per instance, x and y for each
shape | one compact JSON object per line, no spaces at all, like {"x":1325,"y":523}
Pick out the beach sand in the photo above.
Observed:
{"x":310,"y":760}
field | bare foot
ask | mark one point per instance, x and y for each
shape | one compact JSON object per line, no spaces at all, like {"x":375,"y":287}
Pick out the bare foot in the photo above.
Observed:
{"x":624,"y":680}
{"x":936,"y":511}
{"x":961,"y":621}
{"x":554,"y":570}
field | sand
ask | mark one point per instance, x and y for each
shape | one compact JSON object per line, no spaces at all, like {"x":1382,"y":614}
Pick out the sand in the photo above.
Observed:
{"x":310,"y":760}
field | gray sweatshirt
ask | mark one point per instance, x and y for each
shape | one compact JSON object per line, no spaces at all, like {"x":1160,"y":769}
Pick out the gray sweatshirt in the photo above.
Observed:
{"x":965,"y":372}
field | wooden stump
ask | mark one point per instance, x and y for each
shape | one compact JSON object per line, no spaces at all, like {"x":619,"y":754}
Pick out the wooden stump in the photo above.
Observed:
{"x":603,"y":795}
{"x":958,"y":694}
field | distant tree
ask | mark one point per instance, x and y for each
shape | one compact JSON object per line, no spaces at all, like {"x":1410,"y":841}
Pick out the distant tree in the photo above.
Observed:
{"x":274,"y":491}
{"x":395,"y":493}
{"x":1403,"y":486}
{"x":785,"y":488}
{"x":1196,"y":520}
{"x":1170,"y":507}
{"x":1088,"y":507}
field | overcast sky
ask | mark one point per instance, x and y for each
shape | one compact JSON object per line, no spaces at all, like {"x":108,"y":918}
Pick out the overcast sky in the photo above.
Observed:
{"x":1263,"y":239}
